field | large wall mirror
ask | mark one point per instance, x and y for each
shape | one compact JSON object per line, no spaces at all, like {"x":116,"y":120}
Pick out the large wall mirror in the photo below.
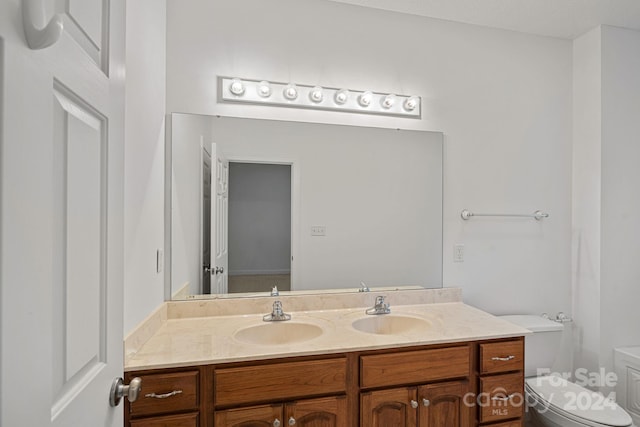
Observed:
{"x":304,"y":207}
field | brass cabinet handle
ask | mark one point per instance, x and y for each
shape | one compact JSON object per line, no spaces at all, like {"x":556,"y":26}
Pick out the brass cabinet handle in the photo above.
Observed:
{"x":503,"y":359}
{"x":163,"y":396}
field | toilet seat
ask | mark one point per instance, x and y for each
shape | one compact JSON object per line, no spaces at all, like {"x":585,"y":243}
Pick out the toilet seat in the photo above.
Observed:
{"x":576,"y":403}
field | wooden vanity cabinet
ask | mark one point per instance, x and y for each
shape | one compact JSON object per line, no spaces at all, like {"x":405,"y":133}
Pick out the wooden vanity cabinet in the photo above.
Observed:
{"x":322,"y":412}
{"x":288,"y":387}
{"x":441,"y":376}
{"x":454,"y":385}
{"x":501,"y":401}
{"x":168,"y":398}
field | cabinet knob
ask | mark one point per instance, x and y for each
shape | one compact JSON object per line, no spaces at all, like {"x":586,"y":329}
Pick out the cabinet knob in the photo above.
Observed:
{"x":276,"y":423}
{"x":292,"y":421}
{"x":425,"y":402}
{"x":414,"y":404}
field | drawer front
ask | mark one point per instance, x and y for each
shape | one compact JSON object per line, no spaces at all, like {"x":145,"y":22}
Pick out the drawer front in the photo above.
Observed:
{"x":414,"y":366}
{"x":162,"y":393}
{"x":502,"y":397}
{"x":183,"y":420}
{"x":502,"y":356}
{"x":516,"y":423}
{"x":278,"y":381}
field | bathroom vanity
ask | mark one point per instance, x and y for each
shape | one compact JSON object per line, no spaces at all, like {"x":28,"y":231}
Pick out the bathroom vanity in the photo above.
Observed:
{"x":441,"y":363}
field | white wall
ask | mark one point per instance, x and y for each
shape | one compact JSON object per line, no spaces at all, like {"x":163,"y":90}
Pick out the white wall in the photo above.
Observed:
{"x":621,"y":201}
{"x":144,"y":158}
{"x":587,"y":191}
{"x":259,"y":218}
{"x":607,"y":107}
{"x":503,"y":100}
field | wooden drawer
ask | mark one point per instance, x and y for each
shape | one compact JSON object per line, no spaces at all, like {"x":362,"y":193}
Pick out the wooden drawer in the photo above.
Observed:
{"x":183,"y":420}
{"x":412,"y":367}
{"x":502,"y":356}
{"x":502,"y":397}
{"x":163,"y":393}
{"x":515,"y":423}
{"x":279,"y":381}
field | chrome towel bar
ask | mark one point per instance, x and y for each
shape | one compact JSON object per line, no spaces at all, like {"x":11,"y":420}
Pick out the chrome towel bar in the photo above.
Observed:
{"x":537,"y":215}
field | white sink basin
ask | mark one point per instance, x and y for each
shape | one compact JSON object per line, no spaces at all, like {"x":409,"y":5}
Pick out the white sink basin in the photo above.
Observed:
{"x":389,"y":324}
{"x":278,"y":333}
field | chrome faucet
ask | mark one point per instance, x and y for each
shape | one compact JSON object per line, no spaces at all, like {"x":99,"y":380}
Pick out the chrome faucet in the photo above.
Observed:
{"x":276,"y":315}
{"x":380,"y":307}
{"x":363,"y":287}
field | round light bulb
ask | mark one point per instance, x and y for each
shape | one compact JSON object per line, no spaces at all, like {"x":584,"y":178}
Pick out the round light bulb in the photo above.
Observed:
{"x":316,"y":94}
{"x":264,"y":89}
{"x":236,"y":87}
{"x":365,"y":99}
{"x":290,"y":92}
{"x":341,"y":96}
{"x":388,"y":101}
{"x":411,"y":103}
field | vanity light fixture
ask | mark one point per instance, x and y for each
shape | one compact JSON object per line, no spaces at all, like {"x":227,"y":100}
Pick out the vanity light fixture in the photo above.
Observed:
{"x":263,"y":92}
{"x":364,"y":99}
{"x":290,"y":92}
{"x":236,"y":87}
{"x":264,"y":89}
{"x":316,"y":95}
{"x":411,"y":103}
{"x":388,"y":101}
{"x":341,"y":96}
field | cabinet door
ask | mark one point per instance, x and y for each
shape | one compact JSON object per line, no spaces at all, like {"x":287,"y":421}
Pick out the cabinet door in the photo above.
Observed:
{"x":393,"y":407}
{"x":324,"y":412}
{"x":443,"y":405}
{"x":254,"y":416}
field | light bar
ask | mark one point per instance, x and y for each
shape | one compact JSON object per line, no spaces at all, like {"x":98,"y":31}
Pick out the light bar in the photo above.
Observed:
{"x":262,"y":92}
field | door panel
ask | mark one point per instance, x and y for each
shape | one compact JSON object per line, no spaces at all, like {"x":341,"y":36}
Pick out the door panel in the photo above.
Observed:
{"x":219,"y":219}
{"x":386,"y":408}
{"x":442,"y":405}
{"x":79,"y":242}
{"x":85,"y":21}
{"x":324,"y":412}
{"x":61,"y":220}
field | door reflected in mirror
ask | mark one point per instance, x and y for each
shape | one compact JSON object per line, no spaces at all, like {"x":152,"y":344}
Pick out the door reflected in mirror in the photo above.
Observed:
{"x":257,"y":204}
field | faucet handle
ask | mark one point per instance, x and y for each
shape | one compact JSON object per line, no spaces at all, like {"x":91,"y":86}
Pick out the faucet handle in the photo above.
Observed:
{"x":274,"y":291}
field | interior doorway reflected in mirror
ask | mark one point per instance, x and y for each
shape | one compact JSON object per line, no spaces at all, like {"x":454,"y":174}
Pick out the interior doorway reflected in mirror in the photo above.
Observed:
{"x":259,"y":229}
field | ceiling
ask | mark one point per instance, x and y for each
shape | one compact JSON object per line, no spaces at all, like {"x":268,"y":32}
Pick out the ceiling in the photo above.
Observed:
{"x":565,"y":19}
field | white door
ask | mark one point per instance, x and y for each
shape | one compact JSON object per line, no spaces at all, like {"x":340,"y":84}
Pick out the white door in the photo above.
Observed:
{"x":61,"y":211}
{"x":220,"y":221}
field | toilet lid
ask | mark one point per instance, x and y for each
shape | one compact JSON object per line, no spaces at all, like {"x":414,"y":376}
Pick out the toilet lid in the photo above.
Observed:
{"x":577,"y":402}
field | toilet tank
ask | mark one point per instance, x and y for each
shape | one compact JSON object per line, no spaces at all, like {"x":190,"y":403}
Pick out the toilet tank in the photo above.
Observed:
{"x":542,"y":346}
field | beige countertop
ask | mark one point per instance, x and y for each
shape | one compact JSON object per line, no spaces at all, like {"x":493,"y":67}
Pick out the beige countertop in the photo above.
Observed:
{"x":186,"y":341}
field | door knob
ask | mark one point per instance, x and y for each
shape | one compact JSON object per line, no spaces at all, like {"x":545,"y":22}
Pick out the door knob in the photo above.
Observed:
{"x":414,"y":404}
{"x":219,"y":270}
{"x":119,"y":390}
{"x":277,"y":423}
{"x":292,"y":421}
{"x":425,"y":402}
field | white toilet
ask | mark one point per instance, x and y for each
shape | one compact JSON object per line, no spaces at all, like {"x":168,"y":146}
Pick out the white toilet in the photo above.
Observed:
{"x":554,"y":401}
